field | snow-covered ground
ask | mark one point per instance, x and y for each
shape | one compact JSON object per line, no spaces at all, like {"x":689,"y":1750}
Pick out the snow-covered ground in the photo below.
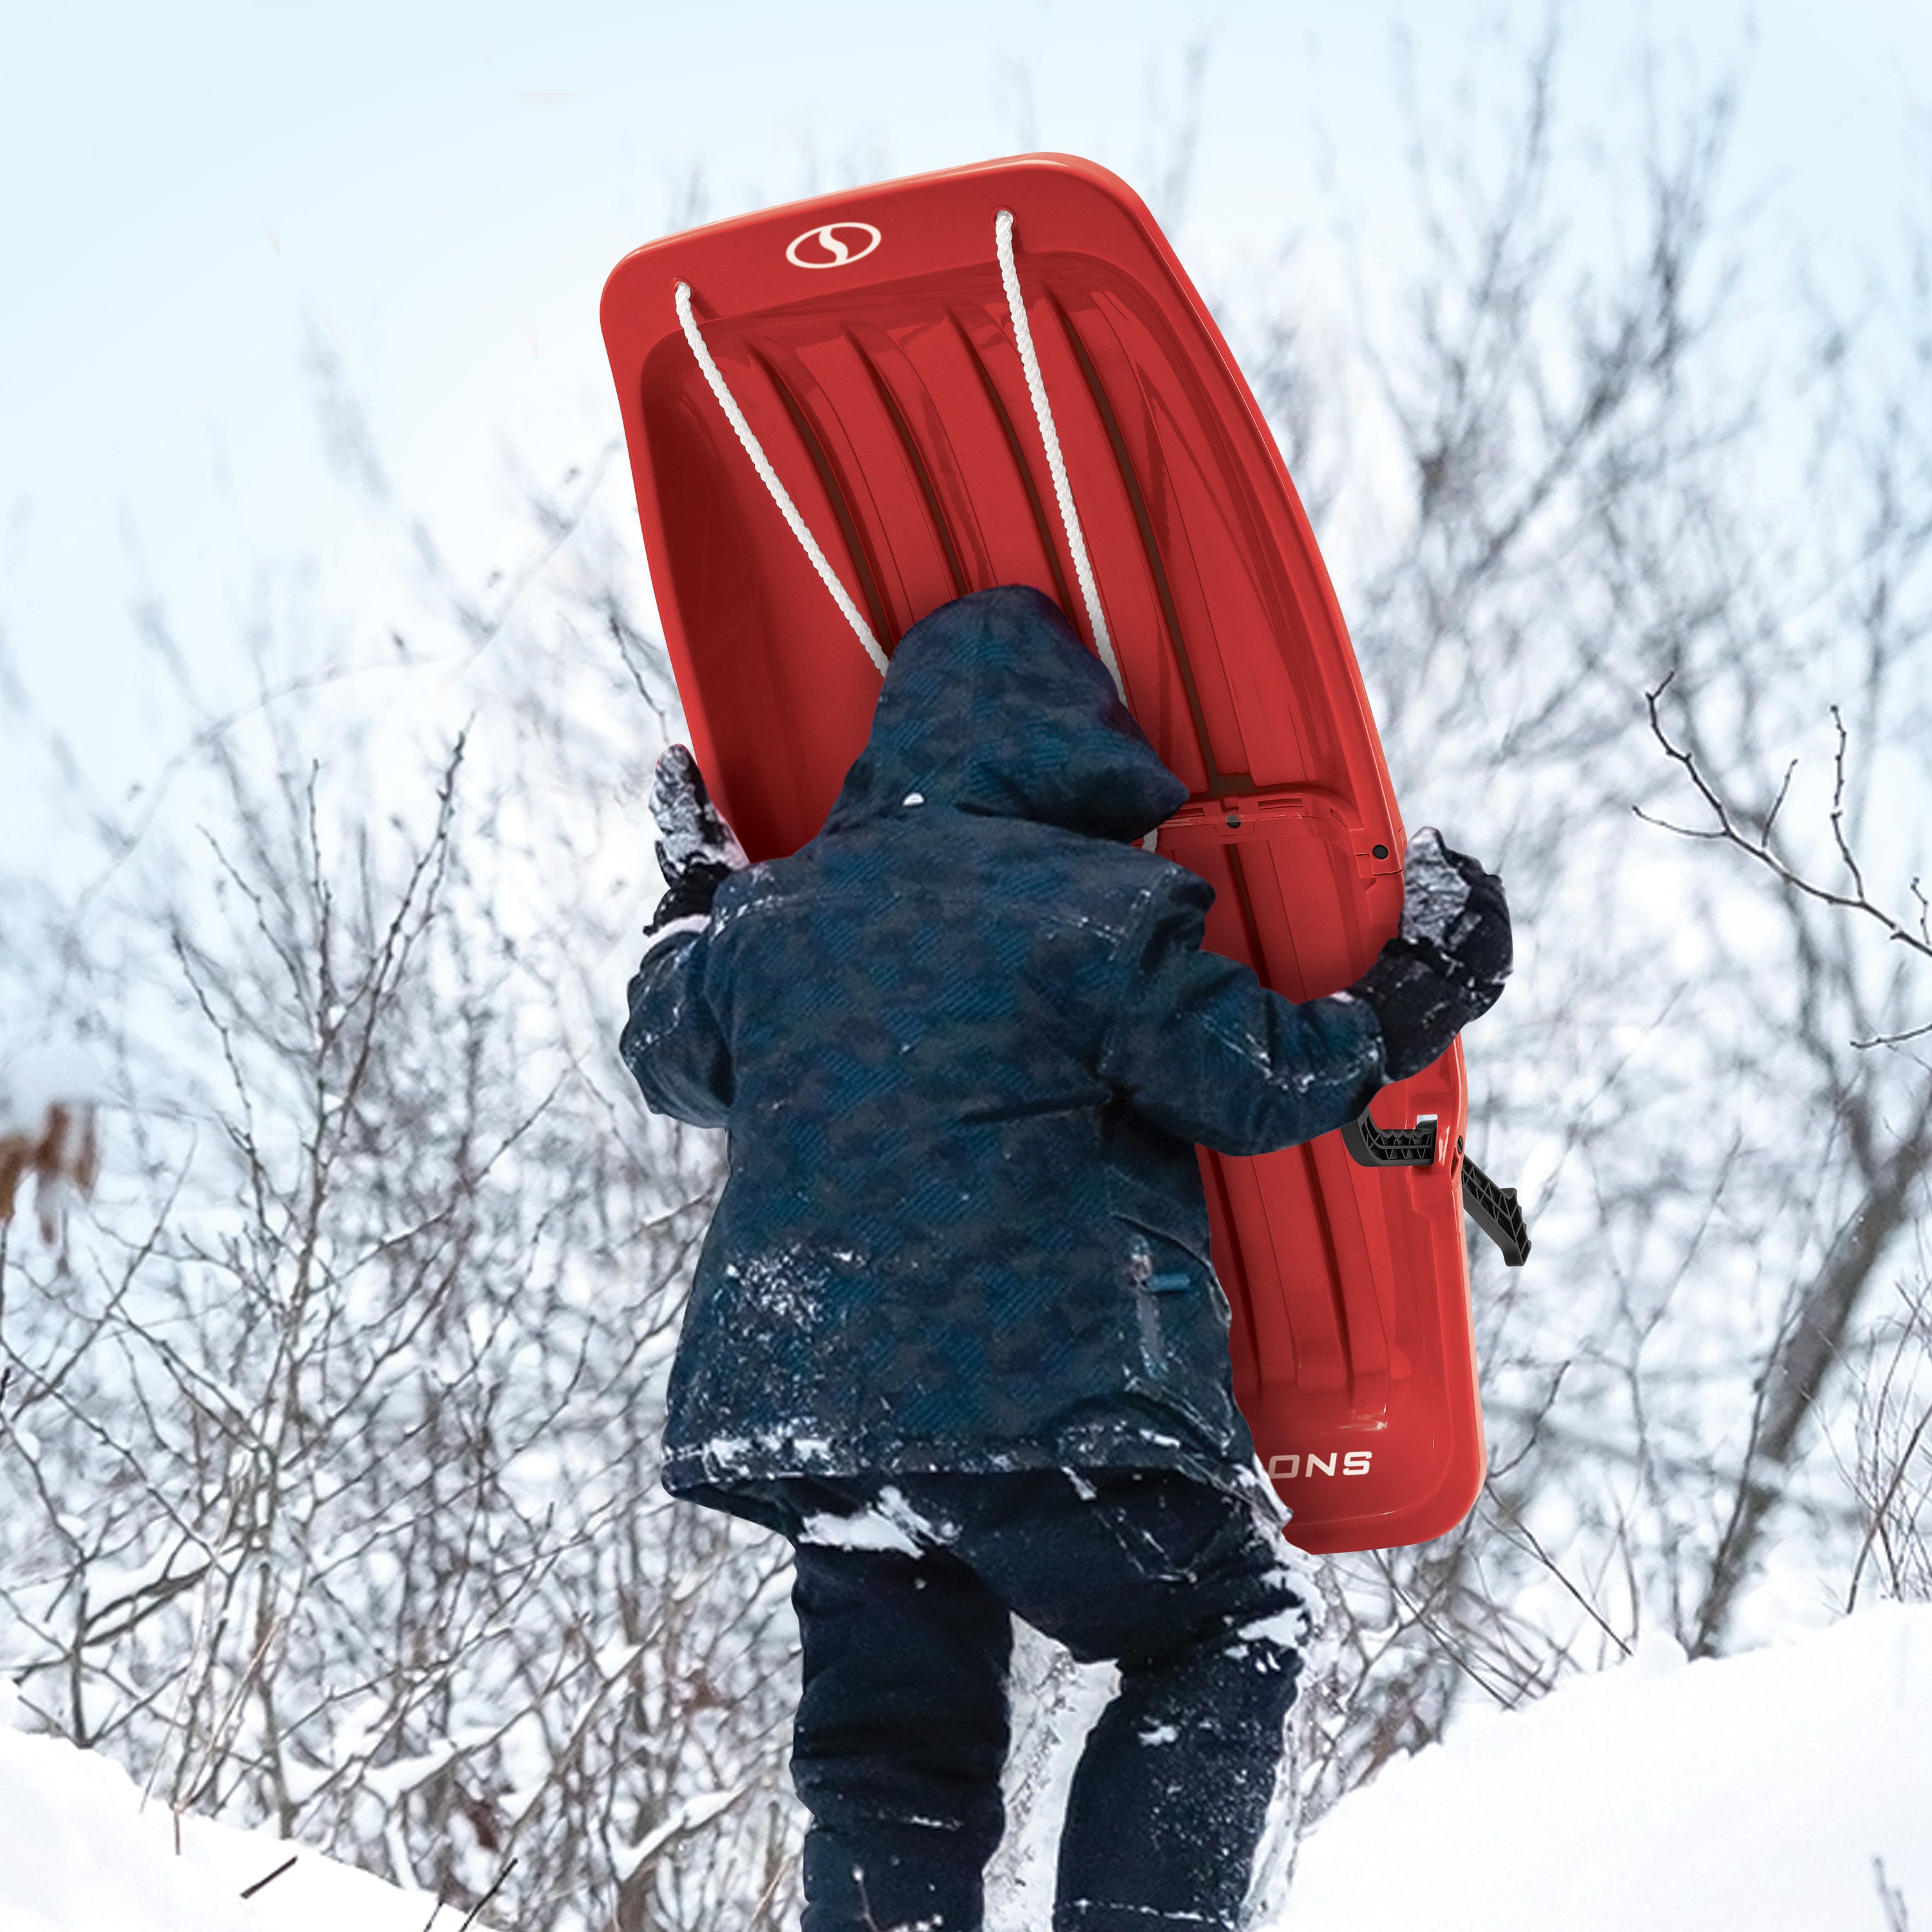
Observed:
{"x":78,"y":1853}
{"x":1788,"y":1790}
{"x":1785,"y":1790}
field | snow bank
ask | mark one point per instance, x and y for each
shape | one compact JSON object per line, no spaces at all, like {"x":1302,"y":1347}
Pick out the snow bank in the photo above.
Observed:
{"x":1773,"y":1791}
{"x":78,"y":1854}
{"x":1766,"y":1791}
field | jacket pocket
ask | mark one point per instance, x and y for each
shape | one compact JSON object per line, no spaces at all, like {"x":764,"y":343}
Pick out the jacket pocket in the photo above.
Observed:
{"x":1161,"y":1261}
{"x":1153,"y":1193}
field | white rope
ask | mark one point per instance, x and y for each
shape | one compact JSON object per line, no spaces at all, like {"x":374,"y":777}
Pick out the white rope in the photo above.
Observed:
{"x":760,"y":463}
{"x":1070,"y":518}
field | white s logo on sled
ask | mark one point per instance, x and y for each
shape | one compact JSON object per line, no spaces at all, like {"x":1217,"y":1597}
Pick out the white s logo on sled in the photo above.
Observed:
{"x":1355,"y":1462}
{"x":822,"y":248}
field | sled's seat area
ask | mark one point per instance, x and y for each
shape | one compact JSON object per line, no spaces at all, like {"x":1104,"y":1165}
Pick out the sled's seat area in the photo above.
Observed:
{"x":867,"y":339}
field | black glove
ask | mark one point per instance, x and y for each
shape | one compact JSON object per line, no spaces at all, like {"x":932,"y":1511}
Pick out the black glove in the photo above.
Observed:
{"x":697,"y":850}
{"x":1447,"y":966}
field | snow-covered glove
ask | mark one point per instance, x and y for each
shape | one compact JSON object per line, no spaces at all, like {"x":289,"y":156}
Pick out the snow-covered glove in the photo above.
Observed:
{"x":1448,"y":965}
{"x":697,"y":850}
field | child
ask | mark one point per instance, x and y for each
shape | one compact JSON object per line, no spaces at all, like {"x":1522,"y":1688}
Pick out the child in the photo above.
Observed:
{"x":954,"y":1331}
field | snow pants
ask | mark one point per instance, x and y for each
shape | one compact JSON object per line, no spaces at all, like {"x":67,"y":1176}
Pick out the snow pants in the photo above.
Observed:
{"x":902,"y":1724}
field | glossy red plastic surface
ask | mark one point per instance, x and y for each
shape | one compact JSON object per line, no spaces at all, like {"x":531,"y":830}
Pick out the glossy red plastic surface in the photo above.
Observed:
{"x":887,"y":390}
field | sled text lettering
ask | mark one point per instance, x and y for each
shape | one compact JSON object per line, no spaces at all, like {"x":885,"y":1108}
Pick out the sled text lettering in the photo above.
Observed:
{"x":1354,"y":1462}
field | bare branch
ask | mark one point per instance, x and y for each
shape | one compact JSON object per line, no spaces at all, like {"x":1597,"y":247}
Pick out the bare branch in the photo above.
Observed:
{"x":1758,"y":847}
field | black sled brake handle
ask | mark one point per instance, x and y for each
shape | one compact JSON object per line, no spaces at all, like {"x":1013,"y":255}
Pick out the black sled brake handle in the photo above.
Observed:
{"x":1493,"y":1209}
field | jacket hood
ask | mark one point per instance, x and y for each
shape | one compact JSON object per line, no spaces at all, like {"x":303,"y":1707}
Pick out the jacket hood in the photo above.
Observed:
{"x":993,"y":705}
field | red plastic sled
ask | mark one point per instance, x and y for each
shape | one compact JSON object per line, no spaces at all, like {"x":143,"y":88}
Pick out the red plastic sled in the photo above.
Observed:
{"x":867,"y":339}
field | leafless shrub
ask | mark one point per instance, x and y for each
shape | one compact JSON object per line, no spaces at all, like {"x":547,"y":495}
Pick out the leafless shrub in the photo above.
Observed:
{"x":330,"y":1466}
{"x":1893,"y":1473}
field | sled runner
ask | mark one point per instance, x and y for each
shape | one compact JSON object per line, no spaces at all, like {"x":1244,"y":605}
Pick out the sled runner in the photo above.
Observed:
{"x":835,"y":426}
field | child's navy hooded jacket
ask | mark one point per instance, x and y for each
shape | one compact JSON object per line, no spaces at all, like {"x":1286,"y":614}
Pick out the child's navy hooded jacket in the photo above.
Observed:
{"x":965,"y":1042}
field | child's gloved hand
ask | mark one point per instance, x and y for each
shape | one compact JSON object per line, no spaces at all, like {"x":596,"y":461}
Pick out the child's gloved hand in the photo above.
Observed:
{"x":1447,"y":966}
{"x":1451,"y":904}
{"x":697,"y":850}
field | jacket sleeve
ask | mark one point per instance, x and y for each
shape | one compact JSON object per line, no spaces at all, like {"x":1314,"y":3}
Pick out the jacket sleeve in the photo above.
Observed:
{"x":674,"y":1042}
{"x":1199,"y":1046}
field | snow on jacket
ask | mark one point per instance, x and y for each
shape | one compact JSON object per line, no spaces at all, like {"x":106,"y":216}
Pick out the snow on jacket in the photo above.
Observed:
{"x":965,"y":1042}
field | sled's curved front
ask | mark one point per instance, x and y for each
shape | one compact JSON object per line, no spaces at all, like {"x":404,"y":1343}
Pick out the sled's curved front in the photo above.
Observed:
{"x":866,"y":336}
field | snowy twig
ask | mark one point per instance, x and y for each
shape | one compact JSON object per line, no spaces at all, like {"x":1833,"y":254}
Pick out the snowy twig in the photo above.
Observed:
{"x":1758,"y":847}
{"x":1884,"y":1504}
{"x":496,"y":1885}
{"x":218,"y":1731}
{"x":201,"y":1658}
{"x":287,"y":1864}
{"x":1897,"y":1917}
{"x":1550,"y":1563}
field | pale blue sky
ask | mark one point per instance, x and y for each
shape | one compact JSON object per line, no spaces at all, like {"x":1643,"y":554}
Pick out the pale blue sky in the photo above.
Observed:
{"x":188,"y":194}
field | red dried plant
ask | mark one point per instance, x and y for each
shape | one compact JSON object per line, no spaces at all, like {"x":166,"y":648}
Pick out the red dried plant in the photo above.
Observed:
{"x":61,"y":1153}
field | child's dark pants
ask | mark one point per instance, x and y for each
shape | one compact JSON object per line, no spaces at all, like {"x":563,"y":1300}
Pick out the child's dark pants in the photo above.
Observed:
{"x":902,"y":1726}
